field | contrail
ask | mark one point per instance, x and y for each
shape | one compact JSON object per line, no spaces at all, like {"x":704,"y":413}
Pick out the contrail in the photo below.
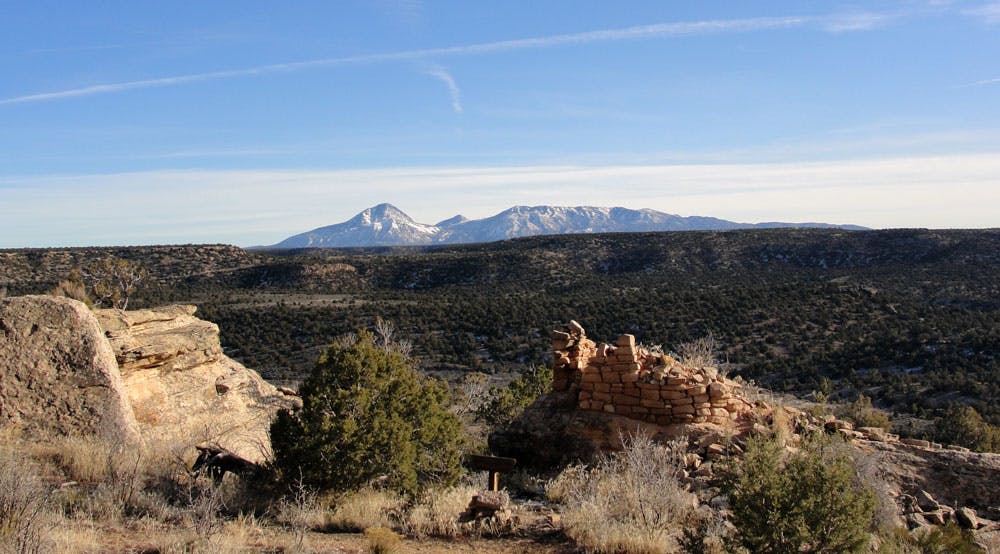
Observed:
{"x":659,"y":30}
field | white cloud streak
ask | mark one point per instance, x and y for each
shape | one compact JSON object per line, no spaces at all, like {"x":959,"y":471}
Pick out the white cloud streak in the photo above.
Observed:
{"x":987,"y":13}
{"x":262,"y":207}
{"x":835,"y":23}
{"x":449,"y":81}
{"x":981,"y":83}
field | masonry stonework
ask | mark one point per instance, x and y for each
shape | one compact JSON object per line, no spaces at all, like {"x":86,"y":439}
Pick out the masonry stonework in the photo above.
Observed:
{"x":628,"y":380}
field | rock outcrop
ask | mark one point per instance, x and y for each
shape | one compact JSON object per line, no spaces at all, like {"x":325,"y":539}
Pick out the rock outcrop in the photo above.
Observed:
{"x":58,"y":374}
{"x":183,"y":388}
{"x":159,"y":375}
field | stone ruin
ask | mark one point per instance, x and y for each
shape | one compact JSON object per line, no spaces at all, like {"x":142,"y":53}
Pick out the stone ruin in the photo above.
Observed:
{"x":634,"y":382}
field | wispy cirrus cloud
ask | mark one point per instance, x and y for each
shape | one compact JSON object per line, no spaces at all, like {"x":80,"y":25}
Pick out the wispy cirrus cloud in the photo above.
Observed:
{"x":828,"y":23}
{"x":988,"y":13}
{"x":993,"y":81}
{"x":442,"y":74}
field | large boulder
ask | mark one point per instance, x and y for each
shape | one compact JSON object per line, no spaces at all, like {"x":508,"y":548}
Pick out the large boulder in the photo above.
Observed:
{"x":158,"y":376}
{"x":58,"y":373}
{"x":183,"y":389}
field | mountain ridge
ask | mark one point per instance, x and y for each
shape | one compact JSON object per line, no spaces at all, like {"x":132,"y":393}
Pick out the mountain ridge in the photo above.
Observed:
{"x":387,"y":225}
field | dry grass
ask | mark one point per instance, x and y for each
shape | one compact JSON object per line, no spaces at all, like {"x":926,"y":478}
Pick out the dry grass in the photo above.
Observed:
{"x":437,"y":511}
{"x":701,"y":352}
{"x":631,"y":502}
{"x":365,"y":509}
{"x":23,"y":525}
{"x":382,"y":540}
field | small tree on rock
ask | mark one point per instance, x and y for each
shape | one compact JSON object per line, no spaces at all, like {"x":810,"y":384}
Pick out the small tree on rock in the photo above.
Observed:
{"x":368,"y":417}
{"x":112,"y":281}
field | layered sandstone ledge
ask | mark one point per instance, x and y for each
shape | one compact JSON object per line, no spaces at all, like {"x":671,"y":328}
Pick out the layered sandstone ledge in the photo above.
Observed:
{"x":157,"y":375}
{"x":628,"y":380}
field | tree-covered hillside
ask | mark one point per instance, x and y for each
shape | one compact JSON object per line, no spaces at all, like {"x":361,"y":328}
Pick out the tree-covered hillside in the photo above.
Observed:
{"x":910,"y":317}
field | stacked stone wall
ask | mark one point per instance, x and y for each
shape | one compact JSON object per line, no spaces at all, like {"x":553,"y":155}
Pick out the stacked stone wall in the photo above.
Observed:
{"x":628,"y":380}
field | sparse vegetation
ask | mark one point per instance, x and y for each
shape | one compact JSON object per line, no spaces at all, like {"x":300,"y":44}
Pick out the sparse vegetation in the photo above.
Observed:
{"x":436,"y":511}
{"x":23,"y":523}
{"x":365,"y":508}
{"x":631,"y":501}
{"x":112,"y":281}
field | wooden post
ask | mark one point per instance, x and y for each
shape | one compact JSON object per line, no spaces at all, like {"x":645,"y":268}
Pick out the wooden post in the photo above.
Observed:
{"x":493,"y":464}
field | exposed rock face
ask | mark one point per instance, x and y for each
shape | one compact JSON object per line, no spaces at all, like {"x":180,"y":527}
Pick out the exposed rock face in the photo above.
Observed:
{"x":183,"y":388}
{"x":58,"y":374}
{"x":156,"y":375}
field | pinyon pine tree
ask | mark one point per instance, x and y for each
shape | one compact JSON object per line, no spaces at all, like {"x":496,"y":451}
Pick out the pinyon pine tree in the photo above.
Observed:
{"x":368,"y":417}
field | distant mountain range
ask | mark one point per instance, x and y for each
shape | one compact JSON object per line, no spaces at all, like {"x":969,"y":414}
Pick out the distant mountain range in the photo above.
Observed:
{"x":387,"y":225}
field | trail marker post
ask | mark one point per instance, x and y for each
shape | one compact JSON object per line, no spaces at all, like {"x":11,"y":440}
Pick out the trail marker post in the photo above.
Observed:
{"x":495,"y":465}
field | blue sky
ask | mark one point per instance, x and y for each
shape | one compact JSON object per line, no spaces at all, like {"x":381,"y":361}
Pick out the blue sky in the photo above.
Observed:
{"x":245,"y":122}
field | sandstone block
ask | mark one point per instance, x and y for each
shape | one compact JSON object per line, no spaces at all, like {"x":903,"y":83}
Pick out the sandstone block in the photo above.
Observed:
{"x":626,"y":340}
{"x":651,"y":403}
{"x":700,"y":398}
{"x":927,"y":502}
{"x":575,"y":328}
{"x":601,"y":396}
{"x":622,"y":400}
{"x":591,"y":377}
{"x":609,"y":408}
{"x":602,"y":387}
{"x":629,"y":377}
{"x":966,"y":517}
{"x":650,"y":394}
{"x":667,"y":394}
{"x":697,"y":390}
{"x":683,"y":409}
{"x":717,"y":390}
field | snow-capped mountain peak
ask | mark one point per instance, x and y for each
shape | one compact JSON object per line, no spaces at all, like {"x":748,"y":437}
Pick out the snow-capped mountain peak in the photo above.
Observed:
{"x":386,"y":225}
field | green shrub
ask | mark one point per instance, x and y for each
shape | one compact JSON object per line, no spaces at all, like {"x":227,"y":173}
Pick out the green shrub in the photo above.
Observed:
{"x":368,"y":416}
{"x":507,"y":403}
{"x":863,"y":414}
{"x":963,"y":426}
{"x":808,"y":501}
{"x":948,"y":539}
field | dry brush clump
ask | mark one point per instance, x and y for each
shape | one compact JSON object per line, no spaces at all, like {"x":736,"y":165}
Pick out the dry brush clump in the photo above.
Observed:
{"x":366,"y":508}
{"x":437,"y":511}
{"x":23,"y":518}
{"x":631,"y":502}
